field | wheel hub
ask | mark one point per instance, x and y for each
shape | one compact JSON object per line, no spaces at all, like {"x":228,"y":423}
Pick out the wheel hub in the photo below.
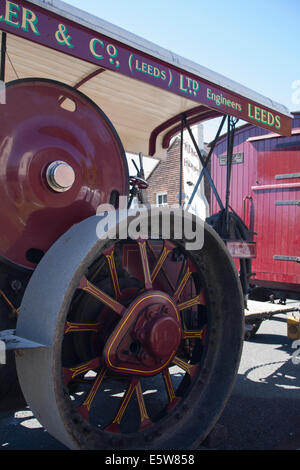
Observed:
{"x":147,"y":337}
{"x":60,"y":176}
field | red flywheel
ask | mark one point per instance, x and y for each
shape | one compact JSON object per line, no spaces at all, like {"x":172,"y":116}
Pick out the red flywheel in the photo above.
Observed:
{"x":60,"y":158}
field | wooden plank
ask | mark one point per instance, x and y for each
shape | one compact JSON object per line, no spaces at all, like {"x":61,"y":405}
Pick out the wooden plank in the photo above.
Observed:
{"x":267,"y":308}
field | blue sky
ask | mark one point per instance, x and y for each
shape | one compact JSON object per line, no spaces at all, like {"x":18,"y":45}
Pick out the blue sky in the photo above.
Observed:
{"x":255,"y":43}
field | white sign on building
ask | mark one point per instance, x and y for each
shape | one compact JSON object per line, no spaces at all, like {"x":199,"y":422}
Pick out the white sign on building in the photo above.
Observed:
{"x":191,"y":171}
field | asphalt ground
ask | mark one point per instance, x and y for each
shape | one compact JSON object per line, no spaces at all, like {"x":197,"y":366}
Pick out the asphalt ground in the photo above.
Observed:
{"x":263,"y":412}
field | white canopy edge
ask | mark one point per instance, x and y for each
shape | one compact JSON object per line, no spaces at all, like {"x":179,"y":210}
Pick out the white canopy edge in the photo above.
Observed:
{"x":119,"y":34}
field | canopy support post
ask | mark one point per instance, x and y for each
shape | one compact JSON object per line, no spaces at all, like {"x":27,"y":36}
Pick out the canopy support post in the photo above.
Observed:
{"x":204,"y":165}
{"x":231,"y":123}
{"x":181,"y":159}
{"x":3,"y":56}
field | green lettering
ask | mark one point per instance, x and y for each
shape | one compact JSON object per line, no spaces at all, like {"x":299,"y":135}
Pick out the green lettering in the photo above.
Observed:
{"x":181,"y":87}
{"x":277,"y":120}
{"x":92,"y":47}
{"x":264,"y":116}
{"x":29,"y":19}
{"x":249,"y":111}
{"x":195,"y":85}
{"x":150,"y":69}
{"x":112,"y":51}
{"x":137,"y":66}
{"x":257,"y":113}
{"x":163,"y":75}
{"x":190,"y":81}
{"x":10,"y":14}
{"x":271,"y":122}
{"x":144,"y":67}
{"x":208,"y":95}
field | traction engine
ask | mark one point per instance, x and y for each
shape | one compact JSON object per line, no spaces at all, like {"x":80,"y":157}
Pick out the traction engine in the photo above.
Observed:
{"x":120,"y":343}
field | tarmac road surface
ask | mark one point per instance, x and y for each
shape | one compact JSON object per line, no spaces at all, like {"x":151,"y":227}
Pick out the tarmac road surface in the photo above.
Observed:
{"x":263,"y":412}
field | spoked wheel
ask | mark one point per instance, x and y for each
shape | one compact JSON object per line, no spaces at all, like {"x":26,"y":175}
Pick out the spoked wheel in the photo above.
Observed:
{"x":144,"y":340}
{"x":252,"y":327}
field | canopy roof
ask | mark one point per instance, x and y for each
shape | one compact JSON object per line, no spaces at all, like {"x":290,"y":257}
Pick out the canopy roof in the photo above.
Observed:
{"x":142,"y":88}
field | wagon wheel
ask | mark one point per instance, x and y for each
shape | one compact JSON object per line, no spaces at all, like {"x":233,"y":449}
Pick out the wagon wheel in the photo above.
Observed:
{"x":252,"y":328}
{"x":144,"y":340}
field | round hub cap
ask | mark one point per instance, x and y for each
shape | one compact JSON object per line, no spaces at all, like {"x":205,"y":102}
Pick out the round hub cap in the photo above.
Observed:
{"x":147,"y":337}
{"x":162,"y":337}
{"x":60,"y":176}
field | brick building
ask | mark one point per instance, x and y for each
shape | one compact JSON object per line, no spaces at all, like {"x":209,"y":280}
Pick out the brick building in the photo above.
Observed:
{"x":164,"y":178}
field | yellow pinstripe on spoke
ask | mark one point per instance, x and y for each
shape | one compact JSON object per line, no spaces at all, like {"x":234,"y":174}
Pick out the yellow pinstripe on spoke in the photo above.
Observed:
{"x":125,"y":402}
{"x":160,"y":263}
{"x":141,"y":403}
{"x":182,"y":285}
{"x":113,"y":272}
{"x":89,"y":400}
{"x":144,"y":258}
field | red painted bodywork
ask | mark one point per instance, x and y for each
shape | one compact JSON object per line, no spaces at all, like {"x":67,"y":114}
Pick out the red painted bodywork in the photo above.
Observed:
{"x":254,"y":192}
{"x":35,"y":131}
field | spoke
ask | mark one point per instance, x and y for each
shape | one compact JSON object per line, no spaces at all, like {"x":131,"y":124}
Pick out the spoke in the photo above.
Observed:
{"x":198,"y":300}
{"x":72,"y":372}
{"x":113,"y":272}
{"x":182,"y":284}
{"x":159,"y":265}
{"x":153,"y":275}
{"x":91,"y":289}
{"x":193,"y":334}
{"x":115,"y":425}
{"x":173,"y":400}
{"x":71,"y":327}
{"x":145,"y":264}
{"x":145,"y":420}
{"x":84,"y":409}
{"x":189,"y":368}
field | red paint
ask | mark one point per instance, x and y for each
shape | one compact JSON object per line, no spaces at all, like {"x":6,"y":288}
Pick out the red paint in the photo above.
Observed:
{"x":35,"y":131}
{"x":146,"y":339}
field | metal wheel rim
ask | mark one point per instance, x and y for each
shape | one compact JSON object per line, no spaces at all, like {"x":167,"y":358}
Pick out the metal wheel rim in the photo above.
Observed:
{"x":65,"y":423}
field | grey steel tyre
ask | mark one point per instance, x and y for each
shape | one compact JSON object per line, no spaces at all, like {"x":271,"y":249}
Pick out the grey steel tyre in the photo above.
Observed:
{"x":176,"y":404}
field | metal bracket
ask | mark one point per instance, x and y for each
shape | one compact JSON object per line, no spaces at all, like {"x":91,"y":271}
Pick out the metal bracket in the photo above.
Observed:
{"x":13,"y":342}
{"x":287,"y":176}
{"x":205,"y":163}
{"x":296,"y":259}
{"x":287,"y":203}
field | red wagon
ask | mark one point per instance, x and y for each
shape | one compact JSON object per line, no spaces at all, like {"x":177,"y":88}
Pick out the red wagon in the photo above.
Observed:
{"x":123,"y":342}
{"x":265,"y":195}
